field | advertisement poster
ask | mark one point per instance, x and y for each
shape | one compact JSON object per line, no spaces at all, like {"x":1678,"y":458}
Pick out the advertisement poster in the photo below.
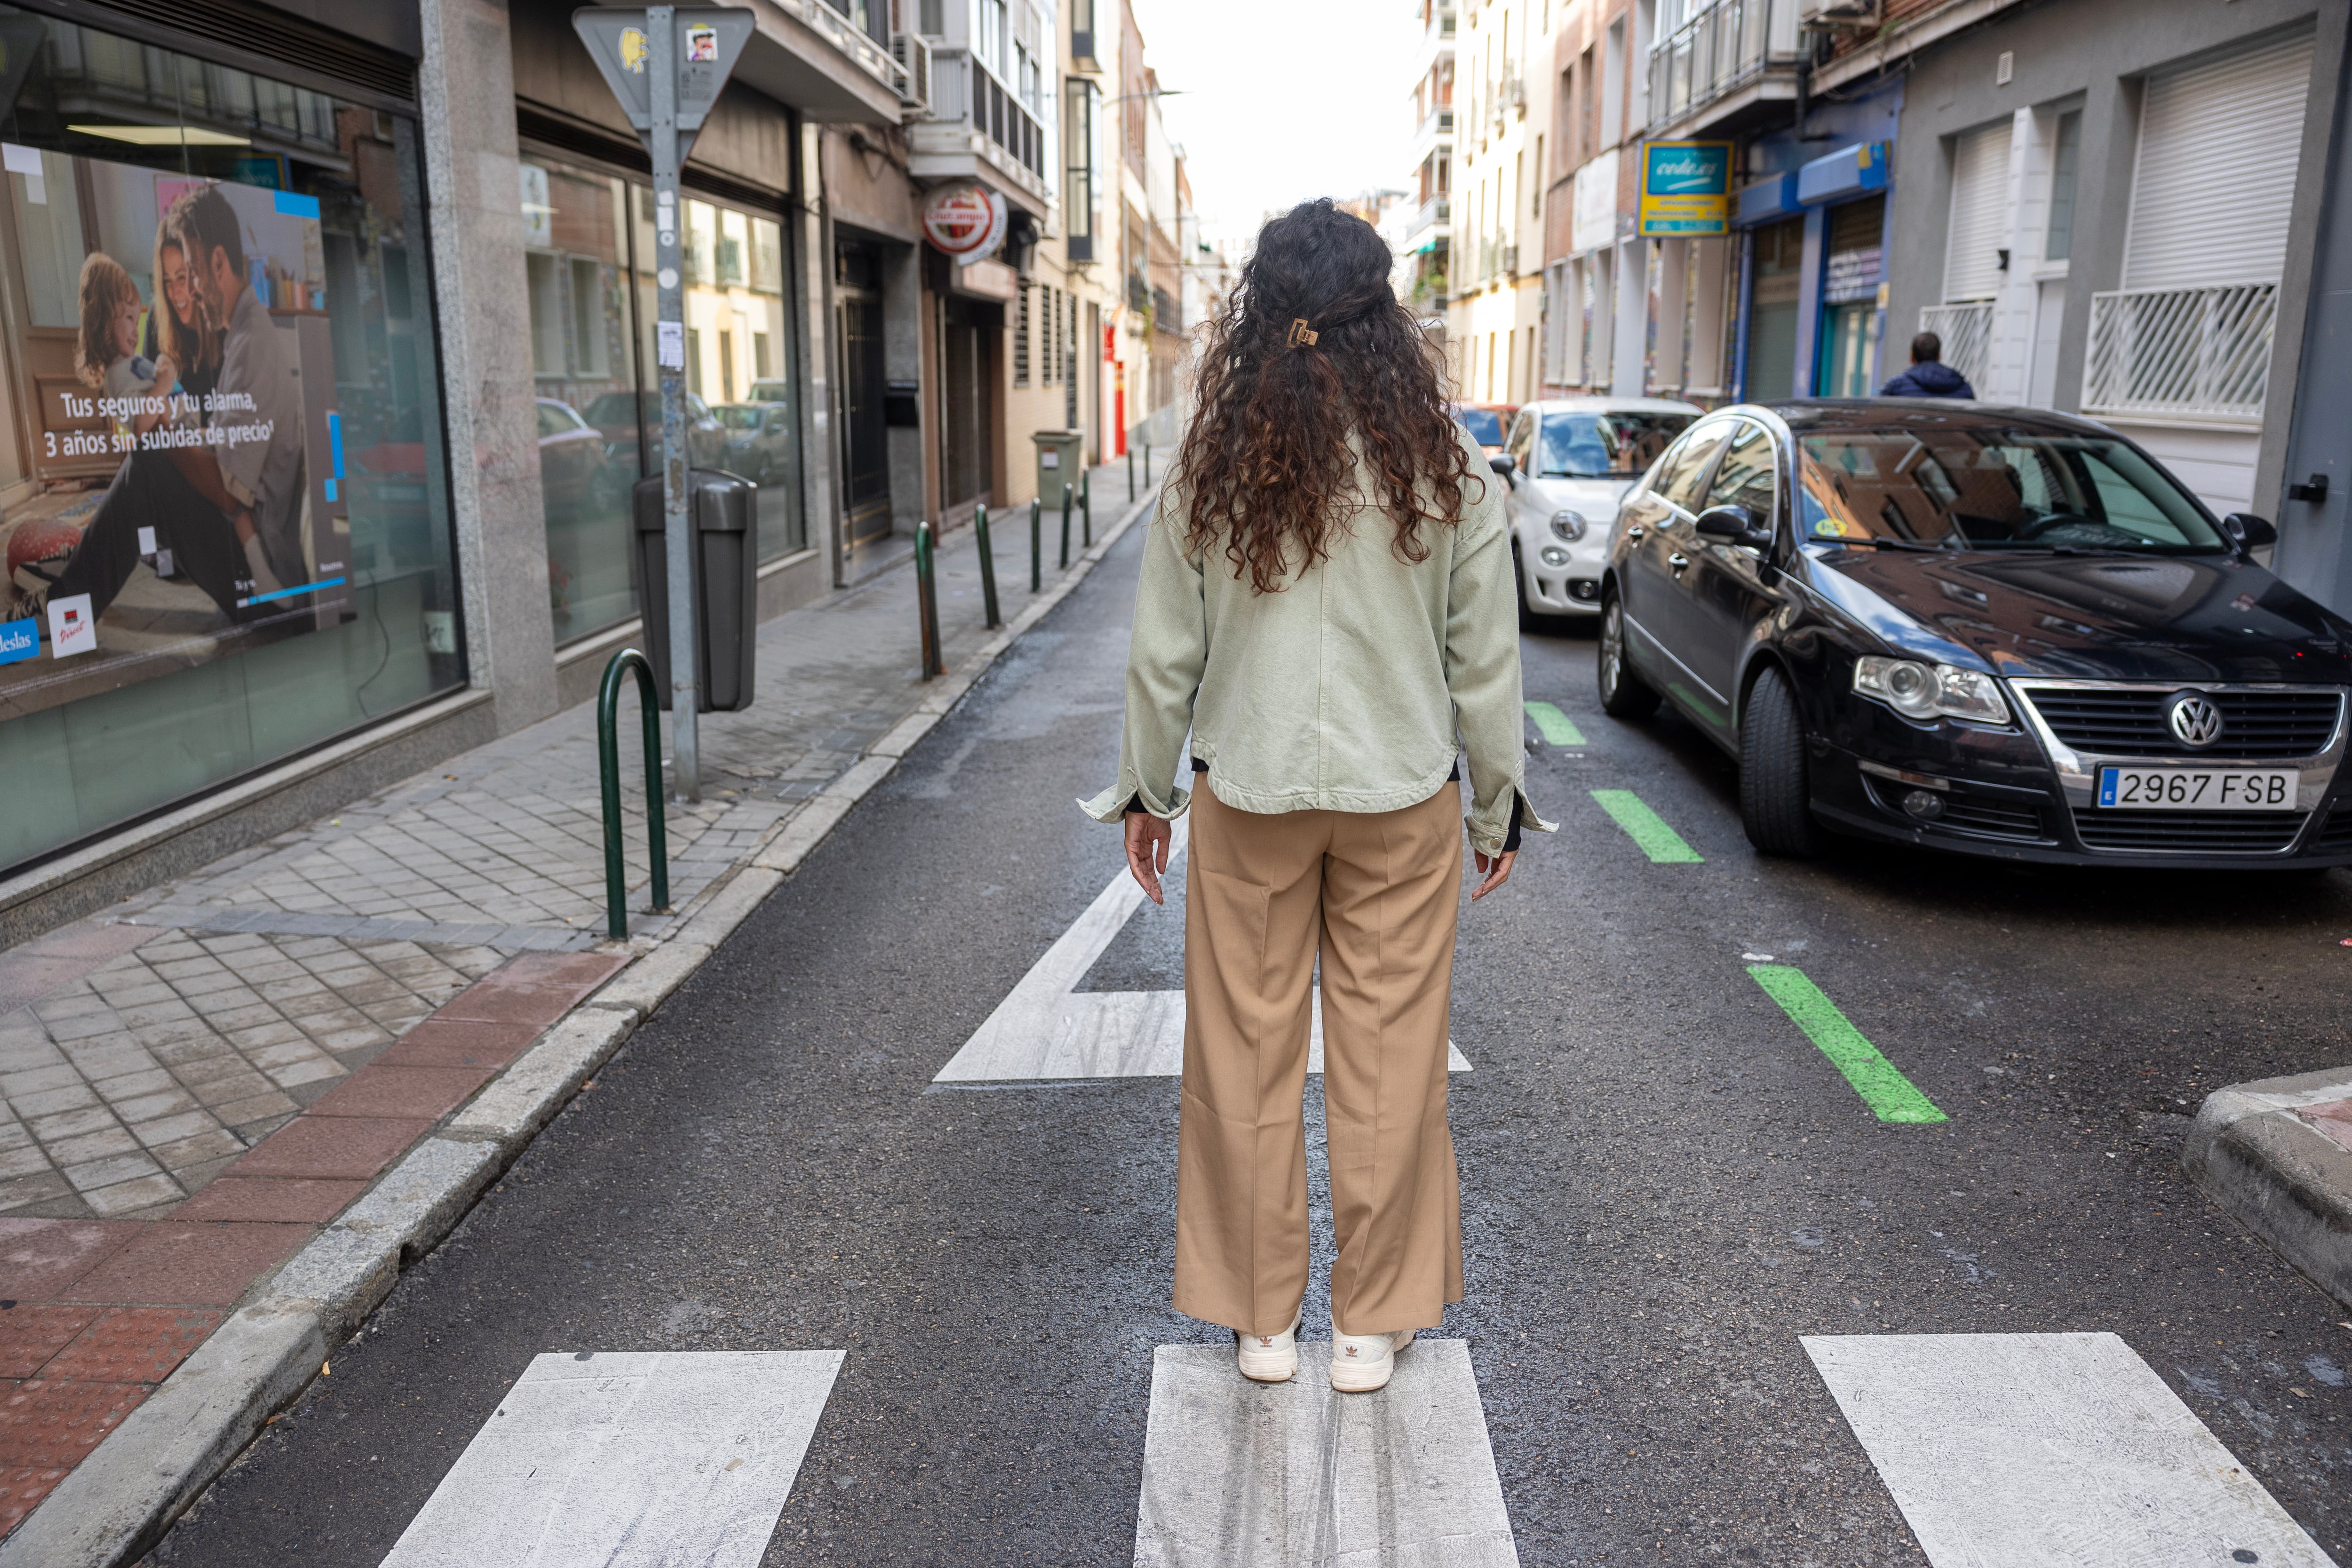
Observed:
{"x":1685,"y":189}
{"x":178,"y":376}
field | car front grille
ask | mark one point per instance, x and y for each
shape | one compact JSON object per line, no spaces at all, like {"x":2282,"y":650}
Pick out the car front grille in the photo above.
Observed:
{"x":2129,"y":721}
{"x":2336,"y":835}
{"x":1989,"y":819}
{"x":2190,"y":832}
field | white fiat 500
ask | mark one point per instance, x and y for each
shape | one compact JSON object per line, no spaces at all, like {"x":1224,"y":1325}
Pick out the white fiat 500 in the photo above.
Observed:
{"x":1571,"y":462}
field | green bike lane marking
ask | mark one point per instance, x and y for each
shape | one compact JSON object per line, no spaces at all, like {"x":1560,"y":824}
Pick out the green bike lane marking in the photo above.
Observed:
{"x":1880,"y":1083}
{"x":1556,"y":727}
{"x":1662,"y":844}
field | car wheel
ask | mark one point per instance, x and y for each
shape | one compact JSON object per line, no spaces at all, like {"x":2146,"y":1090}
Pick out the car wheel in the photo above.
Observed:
{"x":1528,"y":621}
{"x":1775,"y":798}
{"x":1623,"y":694}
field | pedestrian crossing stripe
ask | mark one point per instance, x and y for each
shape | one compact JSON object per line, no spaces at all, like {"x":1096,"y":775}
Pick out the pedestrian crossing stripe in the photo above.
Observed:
{"x":1047,"y":1030}
{"x":1556,"y":727}
{"x":1247,"y":1475}
{"x":2050,"y":1451}
{"x":628,"y":1460}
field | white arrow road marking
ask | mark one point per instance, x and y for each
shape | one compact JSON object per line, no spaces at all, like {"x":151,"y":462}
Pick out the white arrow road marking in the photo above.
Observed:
{"x":2050,"y":1451}
{"x":1046,"y":1029}
{"x":1250,"y":1475}
{"x":627,"y":1460}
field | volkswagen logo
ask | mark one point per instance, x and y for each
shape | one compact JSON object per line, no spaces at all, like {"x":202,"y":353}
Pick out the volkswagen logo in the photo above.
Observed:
{"x":2194,"y":719}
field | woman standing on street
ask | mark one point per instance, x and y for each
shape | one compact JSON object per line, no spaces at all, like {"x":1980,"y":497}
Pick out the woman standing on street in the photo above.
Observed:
{"x":1326,"y":603}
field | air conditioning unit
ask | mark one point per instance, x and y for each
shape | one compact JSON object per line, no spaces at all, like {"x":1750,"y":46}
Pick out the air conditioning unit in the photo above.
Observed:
{"x":1833,"y":14}
{"x":913,"y":53}
{"x":1511,"y":260}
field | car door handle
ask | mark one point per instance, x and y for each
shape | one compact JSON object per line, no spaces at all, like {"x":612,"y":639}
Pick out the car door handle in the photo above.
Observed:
{"x":1678,"y":561}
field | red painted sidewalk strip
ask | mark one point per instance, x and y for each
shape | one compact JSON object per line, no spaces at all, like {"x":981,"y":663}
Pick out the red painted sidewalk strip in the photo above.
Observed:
{"x":95,"y":1314}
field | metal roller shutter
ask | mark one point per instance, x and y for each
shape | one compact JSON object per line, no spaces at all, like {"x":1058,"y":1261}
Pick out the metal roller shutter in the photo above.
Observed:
{"x":1980,"y":213}
{"x":2215,"y":178}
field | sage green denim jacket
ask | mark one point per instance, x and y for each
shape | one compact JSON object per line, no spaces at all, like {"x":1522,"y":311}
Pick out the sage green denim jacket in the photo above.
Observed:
{"x":1350,"y":690}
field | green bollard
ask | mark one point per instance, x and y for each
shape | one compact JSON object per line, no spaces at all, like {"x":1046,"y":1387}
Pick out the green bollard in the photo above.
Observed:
{"x":1130,"y":474}
{"x":927,"y":602}
{"x":987,"y":568}
{"x":1066,"y":527}
{"x":1147,"y":465}
{"x":1037,"y":543}
{"x":1086,"y":506}
{"x":608,"y":769}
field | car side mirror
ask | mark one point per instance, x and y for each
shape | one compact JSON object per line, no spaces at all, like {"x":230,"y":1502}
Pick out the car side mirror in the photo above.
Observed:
{"x":1733,"y":524}
{"x":1504,"y":464}
{"x":2251,"y":532}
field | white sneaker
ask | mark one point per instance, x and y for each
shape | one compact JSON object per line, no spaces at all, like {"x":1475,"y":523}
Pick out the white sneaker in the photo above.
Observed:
{"x":1362,"y":1362}
{"x":1268,"y":1358}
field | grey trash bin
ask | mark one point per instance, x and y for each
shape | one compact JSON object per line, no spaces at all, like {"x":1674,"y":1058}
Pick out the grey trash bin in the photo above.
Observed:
{"x":1060,"y":455}
{"x":724,"y":510}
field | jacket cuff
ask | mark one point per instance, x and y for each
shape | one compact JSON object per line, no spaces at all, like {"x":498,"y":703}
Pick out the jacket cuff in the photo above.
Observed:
{"x":1113,"y":804}
{"x":1493,"y":831}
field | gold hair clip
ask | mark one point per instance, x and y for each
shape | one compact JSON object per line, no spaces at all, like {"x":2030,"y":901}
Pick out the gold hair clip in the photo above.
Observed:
{"x":1301,"y":334}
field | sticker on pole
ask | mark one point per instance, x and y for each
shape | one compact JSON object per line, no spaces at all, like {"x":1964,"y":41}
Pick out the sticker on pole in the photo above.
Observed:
{"x":708,"y":41}
{"x":670,"y":349}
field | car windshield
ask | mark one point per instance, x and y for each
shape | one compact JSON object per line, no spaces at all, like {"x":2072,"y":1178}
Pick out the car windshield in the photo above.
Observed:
{"x":1486,"y":425}
{"x":737,"y":416}
{"x":1990,"y":487}
{"x":1617,"y":446}
{"x":613,"y":409}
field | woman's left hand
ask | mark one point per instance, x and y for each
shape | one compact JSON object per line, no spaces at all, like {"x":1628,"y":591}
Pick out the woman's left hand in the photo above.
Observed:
{"x":1495,"y":868}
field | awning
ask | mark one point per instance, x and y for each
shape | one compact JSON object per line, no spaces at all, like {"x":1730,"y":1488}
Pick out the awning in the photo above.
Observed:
{"x":1768,"y":199}
{"x":1849,"y":171}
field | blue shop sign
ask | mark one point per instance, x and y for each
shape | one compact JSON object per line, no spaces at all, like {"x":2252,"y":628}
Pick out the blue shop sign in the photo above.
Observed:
{"x":19,"y":640}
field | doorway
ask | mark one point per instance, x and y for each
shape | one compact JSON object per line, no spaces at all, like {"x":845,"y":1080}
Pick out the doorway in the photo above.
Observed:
{"x":1772,"y":310}
{"x":968,"y":330}
{"x":865,"y":425}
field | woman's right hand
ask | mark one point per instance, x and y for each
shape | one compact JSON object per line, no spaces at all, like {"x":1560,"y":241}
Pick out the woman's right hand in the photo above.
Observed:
{"x":1147,"y":838}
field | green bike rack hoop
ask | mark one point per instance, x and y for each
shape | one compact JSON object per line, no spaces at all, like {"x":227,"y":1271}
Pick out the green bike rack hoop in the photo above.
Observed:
{"x":608,"y":766}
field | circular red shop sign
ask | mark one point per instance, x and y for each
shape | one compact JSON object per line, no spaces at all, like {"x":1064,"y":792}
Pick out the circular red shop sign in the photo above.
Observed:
{"x":960,"y":222}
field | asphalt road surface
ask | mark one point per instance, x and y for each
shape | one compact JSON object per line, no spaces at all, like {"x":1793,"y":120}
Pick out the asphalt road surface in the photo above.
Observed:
{"x":1665,"y":1182}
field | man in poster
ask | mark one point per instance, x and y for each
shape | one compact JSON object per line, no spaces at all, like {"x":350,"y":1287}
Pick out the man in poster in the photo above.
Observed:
{"x":225,"y":498}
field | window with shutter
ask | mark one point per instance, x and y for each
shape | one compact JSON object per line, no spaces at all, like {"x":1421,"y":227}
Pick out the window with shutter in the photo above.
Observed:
{"x":1980,"y":213}
{"x":2215,"y":174}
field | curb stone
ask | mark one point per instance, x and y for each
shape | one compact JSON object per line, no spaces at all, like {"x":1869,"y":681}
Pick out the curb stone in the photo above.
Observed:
{"x":2284,"y":1179}
{"x":120,"y":1501}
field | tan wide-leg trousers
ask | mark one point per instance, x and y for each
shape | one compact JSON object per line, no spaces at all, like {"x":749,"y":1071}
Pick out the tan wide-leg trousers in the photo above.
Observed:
{"x":1376,"y":894}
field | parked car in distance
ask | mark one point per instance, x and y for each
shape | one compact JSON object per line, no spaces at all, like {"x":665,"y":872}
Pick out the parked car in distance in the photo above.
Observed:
{"x":616,"y":413}
{"x":576,"y":470}
{"x":761,"y":439}
{"x":1568,"y":462}
{"x":1486,"y":422}
{"x":2000,"y":631}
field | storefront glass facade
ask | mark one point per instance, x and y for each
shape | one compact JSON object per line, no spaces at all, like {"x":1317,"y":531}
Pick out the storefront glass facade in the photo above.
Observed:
{"x":589,"y":248}
{"x":224,"y":494}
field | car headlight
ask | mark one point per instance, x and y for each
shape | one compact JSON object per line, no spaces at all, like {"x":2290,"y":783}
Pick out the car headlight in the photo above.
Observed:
{"x":1922,"y":690}
{"x":1568,"y":525}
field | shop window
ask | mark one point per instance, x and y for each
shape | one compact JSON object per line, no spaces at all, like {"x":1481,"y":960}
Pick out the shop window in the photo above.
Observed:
{"x":172,"y":656}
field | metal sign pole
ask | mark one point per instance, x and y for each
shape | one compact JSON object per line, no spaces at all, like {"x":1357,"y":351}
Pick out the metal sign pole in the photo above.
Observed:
{"x":684,"y":704}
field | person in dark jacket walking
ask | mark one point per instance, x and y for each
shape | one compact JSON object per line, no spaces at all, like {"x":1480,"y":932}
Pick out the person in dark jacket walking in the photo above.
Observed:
{"x":1928,"y":376}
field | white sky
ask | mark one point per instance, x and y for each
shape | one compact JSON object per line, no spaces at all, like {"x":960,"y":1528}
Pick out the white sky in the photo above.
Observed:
{"x":1283,"y":99}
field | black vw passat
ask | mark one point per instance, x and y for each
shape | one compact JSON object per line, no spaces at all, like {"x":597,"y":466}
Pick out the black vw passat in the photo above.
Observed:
{"x":2000,"y":631}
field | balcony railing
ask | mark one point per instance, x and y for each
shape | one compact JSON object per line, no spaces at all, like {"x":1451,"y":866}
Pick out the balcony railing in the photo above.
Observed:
{"x":836,"y":29}
{"x":2181,"y":354}
{"x":1435,"y":210}
{"x":1435,"y":124}
{"x":1723,"y":48}
{"x":1967,"y":335}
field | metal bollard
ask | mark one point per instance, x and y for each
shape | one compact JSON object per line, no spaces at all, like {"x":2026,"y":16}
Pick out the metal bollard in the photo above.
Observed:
{"x":1086,"y":506}
{"x":927,"y":600}
{"x":1147,"y":465}
{"x":1037,"y":543}
{"x":608,"y":769}
{"x":1130,"y":474}
{"x":1065,"y":526}
{"x":987,"y":568}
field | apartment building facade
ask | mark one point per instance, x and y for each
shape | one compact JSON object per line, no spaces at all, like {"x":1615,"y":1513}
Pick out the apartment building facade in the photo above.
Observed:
{"x":1501,"y":125}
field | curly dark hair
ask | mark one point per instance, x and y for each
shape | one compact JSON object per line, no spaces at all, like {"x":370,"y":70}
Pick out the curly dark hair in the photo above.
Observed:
{"x":1265,"y":466}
